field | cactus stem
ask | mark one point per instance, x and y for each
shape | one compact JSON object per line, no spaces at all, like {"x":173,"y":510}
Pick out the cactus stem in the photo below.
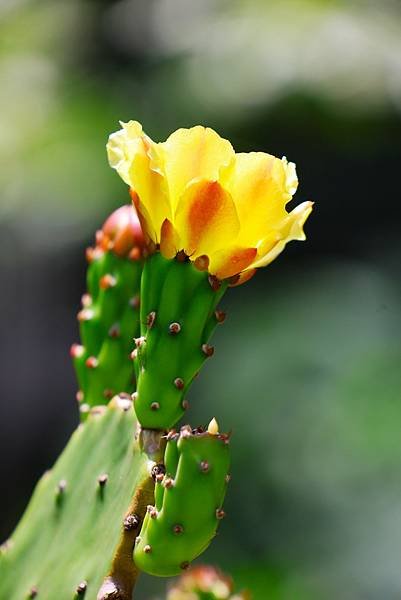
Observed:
{"x":174,"y":328}
{"x":207,"y":350}
{"x":124,"y":572}
{"x":33,"y":592}
{"x":102,"y":479}
{"x":179,"y":383}
{"x":81,"y":588}
{"x":92,"y":362}
{"x":150,"y":319}
{"x":220,"y":316}
{"x":184,"y":565}
{"x":204,"y":466}
{"x":178,"y":529}
{"x":107,"y":281}
{"x":220,"y":514}
{"x":154,"y":406}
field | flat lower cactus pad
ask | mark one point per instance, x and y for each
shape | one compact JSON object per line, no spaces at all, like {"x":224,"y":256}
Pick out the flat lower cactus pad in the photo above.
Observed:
{"x":65,"y":543}
{"x":188,"y":500}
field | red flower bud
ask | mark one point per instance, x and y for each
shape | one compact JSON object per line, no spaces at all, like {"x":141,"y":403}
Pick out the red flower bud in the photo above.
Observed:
{"x":122,"y":233}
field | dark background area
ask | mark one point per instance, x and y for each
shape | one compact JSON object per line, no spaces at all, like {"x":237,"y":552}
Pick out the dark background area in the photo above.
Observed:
{"x":307,"y":368}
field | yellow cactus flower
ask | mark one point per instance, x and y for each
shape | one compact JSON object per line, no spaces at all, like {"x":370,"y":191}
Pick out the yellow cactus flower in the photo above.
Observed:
{"x":193,"y":193}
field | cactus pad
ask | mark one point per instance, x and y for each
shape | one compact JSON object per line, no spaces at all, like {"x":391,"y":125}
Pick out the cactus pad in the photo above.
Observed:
{"x":109,"y":319}
{"x":188,"y":500}
{"x":178,"y":315}
{"x":65,"y":542}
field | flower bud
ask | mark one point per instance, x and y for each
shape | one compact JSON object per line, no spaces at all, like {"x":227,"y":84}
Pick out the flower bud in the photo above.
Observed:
{"x":122,"y":233}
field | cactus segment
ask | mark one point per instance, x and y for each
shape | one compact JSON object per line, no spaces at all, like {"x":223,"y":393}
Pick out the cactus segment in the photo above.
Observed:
{"x":178,"y":316}
{"x":188,"y":500}
{"x":109,"y":319}
{"x":77,"y":516}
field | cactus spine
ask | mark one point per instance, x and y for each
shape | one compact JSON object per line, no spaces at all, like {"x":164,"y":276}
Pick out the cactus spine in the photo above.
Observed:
{"x":178,"y":316}
{"x":109,"y":318}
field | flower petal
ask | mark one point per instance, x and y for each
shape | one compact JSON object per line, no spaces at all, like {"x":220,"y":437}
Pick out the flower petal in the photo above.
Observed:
{"x":169,"y":240}
{"x":121,"y":147}
{"x":291,"y":229}
{"x":134,"y":155}
{"x":226,"y":263}
{"x":260,"y":185}
{"x":206,"y":218}
{"x":196,"y":153}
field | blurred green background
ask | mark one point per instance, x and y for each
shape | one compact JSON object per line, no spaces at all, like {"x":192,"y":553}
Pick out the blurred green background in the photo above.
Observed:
{"x":307,"y":368}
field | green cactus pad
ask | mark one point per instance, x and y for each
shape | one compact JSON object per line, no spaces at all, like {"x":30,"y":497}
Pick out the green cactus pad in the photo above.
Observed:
{"x":188,"y":501}
{"x":74,"y":522}
{"x":109,"y":320}
{"x":178,"y":315}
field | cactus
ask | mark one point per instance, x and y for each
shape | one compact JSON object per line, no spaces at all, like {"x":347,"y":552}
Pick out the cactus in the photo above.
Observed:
{"x":109,"y":318}
{"x":205,"y":583}
{"x":178,"y":315}
{"x":130,"y":494}
{"x":188,"y":502}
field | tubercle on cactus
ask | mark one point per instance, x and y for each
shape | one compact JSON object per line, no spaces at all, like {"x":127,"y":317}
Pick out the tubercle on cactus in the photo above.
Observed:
{"x":177,"y":317}
{"x":188,"y":499}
